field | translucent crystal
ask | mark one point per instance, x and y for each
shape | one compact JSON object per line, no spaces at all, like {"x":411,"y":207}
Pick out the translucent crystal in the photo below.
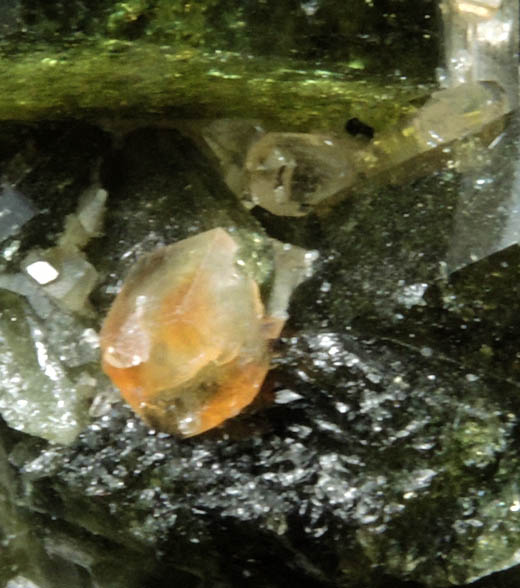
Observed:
{"x":64,"y":274}
{"x":481,"y":43}
{"x":38,"y":395}
{"x":63,"y":271}
{"x":87,"y":221}
{"x":15,"y":211}
{"x":293,"y":265}
{"x":229,"y":139}
{"x":77,"y":279}
{"x":290,"y":172}
{"x":448,"y":116}
{"x":184,"y":340}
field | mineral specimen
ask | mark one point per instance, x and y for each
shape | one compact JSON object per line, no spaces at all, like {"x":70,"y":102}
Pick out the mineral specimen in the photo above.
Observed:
{"x":288,"y":173}
{"x":186,"y":340}
{"x":63,"y":271}
{"x":449,"y":115}
{"x":16,"y":210}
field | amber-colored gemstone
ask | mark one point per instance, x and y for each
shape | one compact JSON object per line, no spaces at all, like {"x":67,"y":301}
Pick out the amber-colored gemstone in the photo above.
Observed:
{"x":185,"y":340}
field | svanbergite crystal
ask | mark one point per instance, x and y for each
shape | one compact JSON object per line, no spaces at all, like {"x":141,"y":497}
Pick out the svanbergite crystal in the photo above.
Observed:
{"x":185,"y":340}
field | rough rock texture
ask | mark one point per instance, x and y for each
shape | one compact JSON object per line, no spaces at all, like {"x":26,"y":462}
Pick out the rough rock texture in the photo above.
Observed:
{"x":317,"y":29}
{"x":383,"y":448}
{"x":157,"y":58}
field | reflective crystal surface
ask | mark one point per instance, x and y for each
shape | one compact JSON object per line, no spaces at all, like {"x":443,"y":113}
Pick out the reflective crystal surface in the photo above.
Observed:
{"x":184,"y":340}
{"x":288,"y":173}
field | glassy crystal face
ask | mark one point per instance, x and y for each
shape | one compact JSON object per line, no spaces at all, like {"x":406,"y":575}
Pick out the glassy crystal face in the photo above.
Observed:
{"x":185,"y":340}
{"x":481,"y":9}
{"x":290,"y":172}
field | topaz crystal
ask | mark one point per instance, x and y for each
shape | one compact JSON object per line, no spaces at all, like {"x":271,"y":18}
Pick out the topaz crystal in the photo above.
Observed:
{"x":186,"y":341}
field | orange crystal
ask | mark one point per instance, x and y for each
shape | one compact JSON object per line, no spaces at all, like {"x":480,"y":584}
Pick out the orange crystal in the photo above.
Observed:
{"x":185,"y":340}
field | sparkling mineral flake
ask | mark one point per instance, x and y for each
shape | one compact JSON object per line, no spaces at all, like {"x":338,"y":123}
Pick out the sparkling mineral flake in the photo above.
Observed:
{"x":185,"y":341}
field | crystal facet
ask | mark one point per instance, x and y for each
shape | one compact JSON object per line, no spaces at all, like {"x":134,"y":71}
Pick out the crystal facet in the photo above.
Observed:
{"x":288,"y":173}
{"x":185,"y":340}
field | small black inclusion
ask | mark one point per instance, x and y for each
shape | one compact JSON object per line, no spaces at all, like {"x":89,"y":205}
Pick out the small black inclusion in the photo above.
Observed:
{"x":355,"y":127}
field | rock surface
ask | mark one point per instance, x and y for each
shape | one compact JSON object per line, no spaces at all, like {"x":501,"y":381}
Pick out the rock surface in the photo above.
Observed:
{"x":382,"y":451}
{"x":383,"y":445}
{"x":139,"y":59}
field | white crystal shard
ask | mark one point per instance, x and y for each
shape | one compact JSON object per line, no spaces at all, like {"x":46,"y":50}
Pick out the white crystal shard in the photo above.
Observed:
{"x":91,"y":210}
{"x":42,"y":272}
{"x":15,"y":210}
{"x":63,"y":271}
{"x":293,"y":265}
{"x":63,"y":274}
{"x":77,"y":278}
{"x":87,"y":221}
